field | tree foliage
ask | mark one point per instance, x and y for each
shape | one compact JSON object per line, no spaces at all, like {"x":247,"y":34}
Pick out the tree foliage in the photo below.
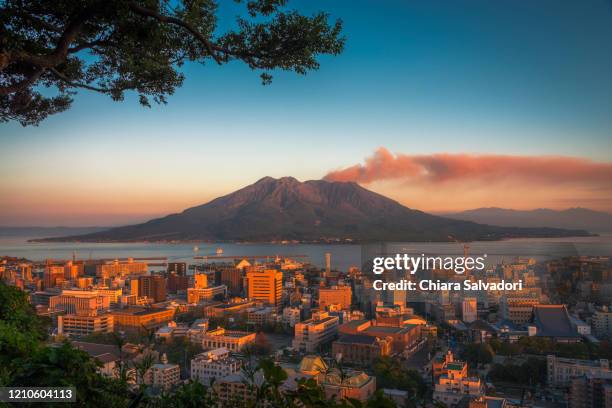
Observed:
{"x":114,"y":46}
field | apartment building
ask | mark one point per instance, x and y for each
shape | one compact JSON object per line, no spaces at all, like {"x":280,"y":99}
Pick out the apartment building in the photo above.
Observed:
{"x":212,"y":365}
{"x":121,"y":268}
{"x":316,"y":331}
{"x":163,"y":375}
{"x":83,"y":325}
{"x":265,"y":286}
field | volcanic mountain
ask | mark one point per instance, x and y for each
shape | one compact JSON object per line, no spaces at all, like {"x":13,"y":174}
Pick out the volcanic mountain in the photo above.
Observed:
{"x":315,"y":210}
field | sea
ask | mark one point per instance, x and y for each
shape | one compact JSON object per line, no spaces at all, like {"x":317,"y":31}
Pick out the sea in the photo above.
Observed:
{"x":342,"y":256}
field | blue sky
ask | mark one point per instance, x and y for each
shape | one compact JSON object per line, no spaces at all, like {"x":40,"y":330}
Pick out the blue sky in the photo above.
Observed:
{"x":417,"y":77}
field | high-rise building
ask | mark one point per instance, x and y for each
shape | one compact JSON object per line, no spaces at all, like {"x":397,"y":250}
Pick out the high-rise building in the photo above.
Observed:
{"x":469,"y":309}
{"x":266,"y":286}
{"x":153,"y":287}
{"x":232,"y":278}
{"x":53,"y":275}
{"x":73,"y":270}
{"x":177,"y":283}
{"x":180,"y":268}
{"x":201,"y":281}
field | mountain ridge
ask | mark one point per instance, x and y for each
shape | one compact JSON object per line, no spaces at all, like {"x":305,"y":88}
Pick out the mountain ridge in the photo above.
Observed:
{"x":572,"y":218}
{"x":286,"y":209}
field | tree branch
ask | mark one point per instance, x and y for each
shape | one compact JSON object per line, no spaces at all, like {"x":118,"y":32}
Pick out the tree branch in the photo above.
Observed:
{"x":67,"y":80}
{"x":143,"y":11}
{"x":26,"y":82}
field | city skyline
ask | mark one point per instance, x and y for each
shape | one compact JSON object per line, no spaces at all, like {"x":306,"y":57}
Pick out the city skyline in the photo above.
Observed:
{"x":524,"y":80}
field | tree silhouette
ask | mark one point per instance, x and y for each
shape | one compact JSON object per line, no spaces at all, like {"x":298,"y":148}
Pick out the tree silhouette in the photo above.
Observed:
{"x":114,"y":46}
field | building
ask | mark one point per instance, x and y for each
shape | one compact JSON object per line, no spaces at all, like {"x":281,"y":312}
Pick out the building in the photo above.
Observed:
{"x":335,"y":383}
{"x":212,"y":365}
{"x":53,"y":275}
{"x":197,"y":295}
{"x":489,"y":402}
{"x":517,"y":308}
{"x":121,"y":268}
{"x":81,"y":302}
{"x":153,"y":287}
{"x":291,"y":316}
{"x":232,"y":278}
{"x":453,"y":383}
{"x":114,"y":295}
{"x":235,"y":390}
{"x":469,"y":310}
{"x":163,"y":375}
{"x":260,"y":316}
{"x":335,"y":295}
{"x":361,"y":349}
{"x":137,"y":318}
{"x":177,"y":283}
{"x":591,"y":391}
{"x":404,"y":339}
{"x":602,"y":323}
{"x":560,"y":371}
{"x":316,"y":331}
{"x":553,"y":322}
{"x":179,"y":268}
{"x":233,"y":340}
{"x":83,"y":325}
{"x":265,"y":286}
{"x":200,"y":281}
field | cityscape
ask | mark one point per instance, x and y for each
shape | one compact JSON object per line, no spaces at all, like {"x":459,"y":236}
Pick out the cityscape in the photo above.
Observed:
{"x":160,"y":327}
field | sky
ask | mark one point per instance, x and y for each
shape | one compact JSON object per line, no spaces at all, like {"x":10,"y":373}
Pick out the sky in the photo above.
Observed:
{"x":441,"y":105}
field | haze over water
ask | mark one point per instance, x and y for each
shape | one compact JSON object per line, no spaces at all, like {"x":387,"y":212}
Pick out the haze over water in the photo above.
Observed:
{"x":343,"y":256}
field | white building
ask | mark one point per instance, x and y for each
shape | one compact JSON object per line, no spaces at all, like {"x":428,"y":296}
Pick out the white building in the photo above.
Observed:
{"x":311,"y":333}
{"x":560,"y":371}
{"x":213,"y":364}
{"x":163,"y":375}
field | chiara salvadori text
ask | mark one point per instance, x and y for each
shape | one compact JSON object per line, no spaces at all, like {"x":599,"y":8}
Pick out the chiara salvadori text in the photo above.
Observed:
{"x":436,"y":285}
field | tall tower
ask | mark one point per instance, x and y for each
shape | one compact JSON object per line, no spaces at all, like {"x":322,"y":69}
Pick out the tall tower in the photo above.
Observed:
{"x":327,"y":263}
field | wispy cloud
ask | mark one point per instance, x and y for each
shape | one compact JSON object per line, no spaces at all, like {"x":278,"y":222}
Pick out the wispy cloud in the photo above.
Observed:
{"x":446,"y":168}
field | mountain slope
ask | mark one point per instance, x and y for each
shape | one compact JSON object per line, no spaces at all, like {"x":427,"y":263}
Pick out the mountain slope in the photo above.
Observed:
{"x":286,"y":209}
{"x":573,"y":218}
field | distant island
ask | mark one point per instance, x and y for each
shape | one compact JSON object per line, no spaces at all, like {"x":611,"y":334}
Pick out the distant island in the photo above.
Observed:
{"x":286,"y":209}
{"x":571,"y":218}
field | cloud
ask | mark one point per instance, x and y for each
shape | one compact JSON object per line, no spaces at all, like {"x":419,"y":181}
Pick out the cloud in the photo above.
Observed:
{"x":445,"y":168}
